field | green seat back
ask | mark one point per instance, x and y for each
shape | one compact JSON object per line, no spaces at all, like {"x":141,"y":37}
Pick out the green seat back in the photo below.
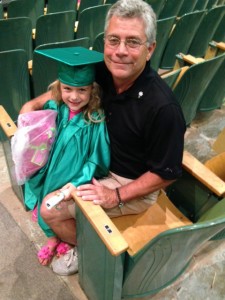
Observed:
{"x":1,"y":11}
{"x":187,"y":7}
{"x":171,"y":8}
{"x":16,"y":33}
{"x":219,"y":34}
{"x":157,"y":5}
{"x":192,"y":85}
{"x":206,"y":31}
{"x":214,"y":94}
{"x":54,"y":6}
{"x":26,"y":8}
{"x":171,"y":78}
{"x":164,"y":28}
{"x":153,"y":268}
{"x":14,"y":92}
{"x":211,"y":3}
{"x":56,"y":27}
{"x":181,"y":38}
{"x":45,"y":70}
{"x":201,"y":5}
{"x":15,"y":84}
{"x":98,"y":44}
{"x":92,"y":22}
{"x":89,"y":3}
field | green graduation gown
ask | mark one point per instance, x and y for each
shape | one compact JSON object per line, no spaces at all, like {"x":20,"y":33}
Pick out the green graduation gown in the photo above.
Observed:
{"x":80,"y":152}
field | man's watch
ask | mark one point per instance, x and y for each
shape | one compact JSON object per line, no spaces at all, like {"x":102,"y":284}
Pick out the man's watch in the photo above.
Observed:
{"x":120,"y":203}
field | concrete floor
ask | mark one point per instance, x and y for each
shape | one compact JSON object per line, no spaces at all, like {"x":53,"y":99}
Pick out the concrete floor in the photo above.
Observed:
{"x":21,"y":277}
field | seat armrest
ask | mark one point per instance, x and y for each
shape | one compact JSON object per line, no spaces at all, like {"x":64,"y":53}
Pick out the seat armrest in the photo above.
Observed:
{"x":107,"y":231}
{"x":7,"y":124}
{"x":203,"y":174}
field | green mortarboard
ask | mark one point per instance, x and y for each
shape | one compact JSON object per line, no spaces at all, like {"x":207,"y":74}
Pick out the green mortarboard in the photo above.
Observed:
{"x":76,"y":64}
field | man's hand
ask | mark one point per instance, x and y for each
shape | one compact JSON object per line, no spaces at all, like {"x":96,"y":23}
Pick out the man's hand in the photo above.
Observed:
{"x":98,"y":193}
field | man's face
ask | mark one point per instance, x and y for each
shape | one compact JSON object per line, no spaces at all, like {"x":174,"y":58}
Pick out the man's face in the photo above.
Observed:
{"x":124,"y":62}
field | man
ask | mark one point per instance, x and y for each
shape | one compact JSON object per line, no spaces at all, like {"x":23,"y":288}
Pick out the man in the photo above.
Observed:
{"x":145,"y":123}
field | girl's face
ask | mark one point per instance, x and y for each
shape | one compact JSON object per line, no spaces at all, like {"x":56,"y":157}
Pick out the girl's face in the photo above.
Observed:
{"x":75,"y":97}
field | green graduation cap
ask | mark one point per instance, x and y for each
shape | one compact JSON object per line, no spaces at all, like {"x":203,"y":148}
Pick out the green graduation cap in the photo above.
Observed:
{"x":76,"y":64}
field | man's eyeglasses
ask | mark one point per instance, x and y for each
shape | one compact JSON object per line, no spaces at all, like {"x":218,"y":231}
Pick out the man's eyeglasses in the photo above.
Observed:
{"x":131,"y":43}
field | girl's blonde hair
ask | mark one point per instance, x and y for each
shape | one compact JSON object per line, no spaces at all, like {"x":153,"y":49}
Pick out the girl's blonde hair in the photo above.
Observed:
{"x":93,"y":106}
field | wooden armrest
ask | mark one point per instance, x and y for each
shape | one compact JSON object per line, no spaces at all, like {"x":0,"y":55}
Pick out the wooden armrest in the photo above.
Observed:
{"x":192,"y":60}
{"x":214,"y":48}
{"x":7,"y":123}
{"x":219,"y":145}
{"x":103,"y":225}
{"x":203,"y":174}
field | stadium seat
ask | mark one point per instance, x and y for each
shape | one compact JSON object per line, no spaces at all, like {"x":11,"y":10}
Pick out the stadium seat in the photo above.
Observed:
{"x":55,"y":27}
{"x":92,"y":22}
{"x":26,"y":8}
{"x":16,"y":33}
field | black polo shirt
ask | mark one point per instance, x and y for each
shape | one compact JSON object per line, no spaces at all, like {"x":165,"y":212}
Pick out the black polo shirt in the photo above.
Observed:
{"x":145,"y":124}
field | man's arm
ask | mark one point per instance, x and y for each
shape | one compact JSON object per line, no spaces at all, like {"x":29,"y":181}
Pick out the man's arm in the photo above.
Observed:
{"x":107,"y":198}
{"x":36,"y":103}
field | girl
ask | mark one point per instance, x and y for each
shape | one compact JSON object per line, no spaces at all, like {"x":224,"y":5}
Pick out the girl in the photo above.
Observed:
{"x":81,"y":148}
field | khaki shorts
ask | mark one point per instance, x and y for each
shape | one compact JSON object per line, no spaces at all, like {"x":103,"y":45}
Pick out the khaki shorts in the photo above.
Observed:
{"x":132,"y":207}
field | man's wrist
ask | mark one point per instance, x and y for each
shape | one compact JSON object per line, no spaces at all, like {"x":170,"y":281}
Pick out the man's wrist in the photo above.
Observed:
{"x":120,"y":203}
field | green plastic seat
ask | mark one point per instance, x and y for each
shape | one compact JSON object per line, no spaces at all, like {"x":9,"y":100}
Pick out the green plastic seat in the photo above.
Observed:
{"x":181,"y":38}
{"x":1,"y":11}
{"x":219,"y":34}
{"x":16,"y":33}
{"x":201,"y":5}
{"x":187,"y":7}
{"x":105,"y":246}
{"x":193,"y":84}
{"x":211,"y":3}
{"x":56,"y":27}
{"x":157,"y":5}
{"x":164,"y":29}
{"x":206,"y":31}
{"x":92,"y":22}
{"x":40,"y":78}
{"x":98,"y":44}
{"x":14,"y":92}
{"x":89,"y":3}
{"x":54,"y":6}
{"x":170,"y":8}
{"x":171,"y":77}
{"x":26,"y":8}
{"x":214,"y":95}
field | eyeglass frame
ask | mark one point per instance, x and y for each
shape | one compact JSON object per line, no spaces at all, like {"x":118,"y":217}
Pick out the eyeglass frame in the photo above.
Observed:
{"x":105,"y":39}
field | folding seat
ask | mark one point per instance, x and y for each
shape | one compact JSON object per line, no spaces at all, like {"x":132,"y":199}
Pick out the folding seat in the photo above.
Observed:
{"x":192,"y":85}
{"x":16,"y":33}
{"x":201,"y":5}
{"x":55,"y":27}
{"x":187,"y":7}
{"x":98,"y":44}
{"x":214,"y":94}
{"x":139,"y":255}
{"x":14,"y":92}
{"x":206,"y":31}
{"x":92,"y":22}
{"x":171,"y":8}
{"x":181,"y":38}
{"x":54,"y":6}
{"x":26,"y":8}
{"x":89,"y":3}
{"x":44,"y":70}
{"x":211,"y":3}
{"x":164,"y":29}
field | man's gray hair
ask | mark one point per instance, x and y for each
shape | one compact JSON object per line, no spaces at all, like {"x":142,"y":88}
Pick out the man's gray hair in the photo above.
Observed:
{"x":135,"y":9}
